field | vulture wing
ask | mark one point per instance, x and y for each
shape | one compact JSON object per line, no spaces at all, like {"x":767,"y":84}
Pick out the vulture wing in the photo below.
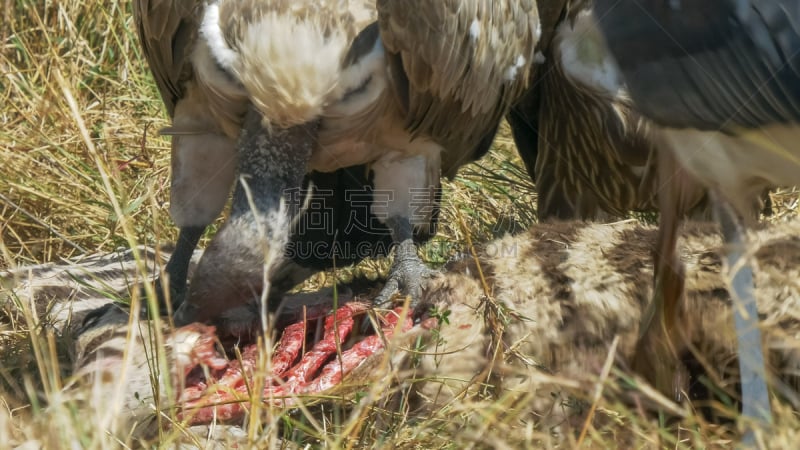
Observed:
{"x":167,"y":30}
{"x":708,"y":64}
{"x":457,"y":65}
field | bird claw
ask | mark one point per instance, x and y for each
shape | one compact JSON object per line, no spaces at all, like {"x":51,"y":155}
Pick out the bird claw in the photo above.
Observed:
{"x":407,"y":278}
{"x":224,"y":396}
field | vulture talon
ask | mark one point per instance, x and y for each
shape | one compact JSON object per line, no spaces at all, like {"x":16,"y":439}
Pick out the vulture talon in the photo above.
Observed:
{"x":407,"y":277}
{"x":408,"y":274}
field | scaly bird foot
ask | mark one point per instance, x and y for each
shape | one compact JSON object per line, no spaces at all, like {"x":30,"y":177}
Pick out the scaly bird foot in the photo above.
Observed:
{"x":407,"y":277}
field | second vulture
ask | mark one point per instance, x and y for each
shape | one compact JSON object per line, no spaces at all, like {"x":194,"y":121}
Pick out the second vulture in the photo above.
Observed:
{"x":721,"y":79}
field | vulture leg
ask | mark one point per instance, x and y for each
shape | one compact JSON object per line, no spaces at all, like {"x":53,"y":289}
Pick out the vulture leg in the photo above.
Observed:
{"x":239,"y":263}
{"x":755,"y":397}
{"x":408,"y":186}
{"x":408,"y":273}
{"x":203,"y":172}
{"x":660,"y":343}
{"x":176,"y":270}
{"x":524,"y":122}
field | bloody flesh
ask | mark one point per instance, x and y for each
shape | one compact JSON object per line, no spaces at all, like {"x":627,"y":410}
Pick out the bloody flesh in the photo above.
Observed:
{"x":222,"y":390}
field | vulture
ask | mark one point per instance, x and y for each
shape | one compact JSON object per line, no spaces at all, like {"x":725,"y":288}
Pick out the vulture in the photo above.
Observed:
{"x":207,"y":116}
{"x":720,"y":79}
{"x":584,"y":143}
{"x":277,"y":91}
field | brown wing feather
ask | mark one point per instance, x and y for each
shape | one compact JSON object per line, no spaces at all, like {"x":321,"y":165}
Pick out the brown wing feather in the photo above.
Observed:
{"x":464,"y":62}
{"x":167,"y":30}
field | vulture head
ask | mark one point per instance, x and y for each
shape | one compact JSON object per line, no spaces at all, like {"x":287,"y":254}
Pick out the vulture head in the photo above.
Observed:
{"x":285,"y":58}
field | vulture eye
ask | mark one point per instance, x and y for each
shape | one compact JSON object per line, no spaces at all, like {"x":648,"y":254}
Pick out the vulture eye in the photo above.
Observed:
{"x":361,"y":88}
{"x":228,"y":75}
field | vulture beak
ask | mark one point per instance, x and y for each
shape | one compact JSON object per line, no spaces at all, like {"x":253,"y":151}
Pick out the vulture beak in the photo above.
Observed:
{"x":234,"y":272}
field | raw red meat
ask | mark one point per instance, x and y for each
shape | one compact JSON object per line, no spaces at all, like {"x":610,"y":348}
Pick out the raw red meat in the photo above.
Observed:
{"x":225,"y":396}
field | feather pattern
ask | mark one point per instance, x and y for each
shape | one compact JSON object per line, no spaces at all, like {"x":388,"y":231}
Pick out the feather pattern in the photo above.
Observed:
{"x":594,"y":149}
{"x":464,"y":63}
{"x":581,"y":136}
{"x":287,"y":54}
{"x":711,"y":64}
{"x":437,"y":79}
{"x":168,"y":30}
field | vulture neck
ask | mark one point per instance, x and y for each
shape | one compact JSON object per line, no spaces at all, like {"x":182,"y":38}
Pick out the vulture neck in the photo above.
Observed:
{"x":272,"y":164}
{"x":235,"y":270}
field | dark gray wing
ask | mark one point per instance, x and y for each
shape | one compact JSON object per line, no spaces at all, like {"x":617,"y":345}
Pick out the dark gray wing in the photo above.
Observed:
{"x":708,"y":64}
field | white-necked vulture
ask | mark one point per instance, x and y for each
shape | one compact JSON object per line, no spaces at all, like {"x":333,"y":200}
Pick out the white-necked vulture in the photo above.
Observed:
{"x":413,"y":96}
{"x":207,"y":115}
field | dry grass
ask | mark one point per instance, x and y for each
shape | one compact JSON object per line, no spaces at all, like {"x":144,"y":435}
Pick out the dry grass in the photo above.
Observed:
{"x":94,"y":176}
{"x":55,"y":202}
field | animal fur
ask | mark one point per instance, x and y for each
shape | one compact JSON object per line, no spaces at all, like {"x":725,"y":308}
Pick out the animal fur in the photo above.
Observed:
{"x":562,"y":293}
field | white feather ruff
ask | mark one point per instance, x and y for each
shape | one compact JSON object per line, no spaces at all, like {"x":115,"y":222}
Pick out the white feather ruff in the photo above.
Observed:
{"x":212,"y":34}
{"x":290,"y":68}
{"x":287,"y":65}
